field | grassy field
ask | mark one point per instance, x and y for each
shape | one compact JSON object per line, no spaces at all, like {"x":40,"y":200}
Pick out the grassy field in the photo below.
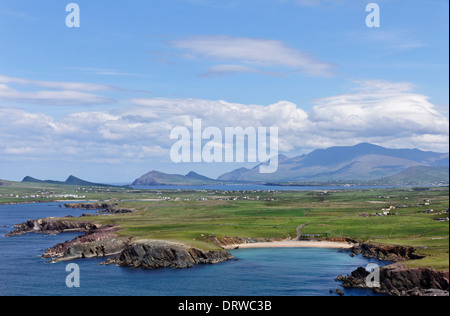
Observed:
{"x":191,"y":216}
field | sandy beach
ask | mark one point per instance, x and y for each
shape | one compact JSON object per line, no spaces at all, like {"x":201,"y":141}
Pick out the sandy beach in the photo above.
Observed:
{"x":293,"y":244}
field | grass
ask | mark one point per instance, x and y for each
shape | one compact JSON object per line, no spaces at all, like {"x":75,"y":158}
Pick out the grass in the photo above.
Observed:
{"x":191,"y":216}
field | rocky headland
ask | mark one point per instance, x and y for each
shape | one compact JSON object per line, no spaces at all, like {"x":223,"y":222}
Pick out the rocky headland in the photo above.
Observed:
{"x":103,"y":241}
{"x":396,"y":279}
{"x":155,"y":254}
{"x":386,"y":252}
{"x":99,"y":242}
{"x":51,"y":226}
{"x":103,"y":208}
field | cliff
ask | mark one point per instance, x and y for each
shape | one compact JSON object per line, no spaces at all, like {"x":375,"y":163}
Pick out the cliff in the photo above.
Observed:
{"x":105,"y":208}
{"x":396,"y":280}
{"x":102,"y":241}
{"x":52,"y":226}
{"x":152,"y":254}
{"x":386,"y":252}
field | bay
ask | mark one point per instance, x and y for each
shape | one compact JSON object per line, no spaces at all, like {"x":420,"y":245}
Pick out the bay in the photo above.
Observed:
{"x":256,"y":272}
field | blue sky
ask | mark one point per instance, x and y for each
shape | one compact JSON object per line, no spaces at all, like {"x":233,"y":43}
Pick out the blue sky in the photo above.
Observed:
{"x":99,"y":101}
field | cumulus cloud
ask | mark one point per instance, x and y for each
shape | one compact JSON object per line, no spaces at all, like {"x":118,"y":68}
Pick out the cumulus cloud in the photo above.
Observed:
{"x":384,"y":113}
{"x":253,"y":55}
{"x":380,"y":108}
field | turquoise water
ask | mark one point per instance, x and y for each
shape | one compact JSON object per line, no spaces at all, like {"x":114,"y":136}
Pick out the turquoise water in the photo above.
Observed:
{"x":257,"y":272}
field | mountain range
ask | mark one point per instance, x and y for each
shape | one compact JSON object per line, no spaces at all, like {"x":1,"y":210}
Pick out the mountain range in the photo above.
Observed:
{"x":71,"y":180}
{"x":159,"y":178}
{"x":362,"y":162}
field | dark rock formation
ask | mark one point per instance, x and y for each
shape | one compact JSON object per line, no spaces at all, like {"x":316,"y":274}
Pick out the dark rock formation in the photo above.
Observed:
{"x":105,"y":208}
{"x":396,"y":280}
{"x":386,"y":252}
{"x":101,"y":242}
{"x":340,"y":292}
{"x":51,"y":226}
{"x":152,"y":254}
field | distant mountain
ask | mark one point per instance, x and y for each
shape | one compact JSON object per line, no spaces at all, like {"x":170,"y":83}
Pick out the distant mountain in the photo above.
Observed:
{"x":159,"y":178}
{"x":31,"y":179}
{"x":419,"y":175}
{"x":77,"y":181}
{"x":360,"y":162}
{"x":71,"y":180}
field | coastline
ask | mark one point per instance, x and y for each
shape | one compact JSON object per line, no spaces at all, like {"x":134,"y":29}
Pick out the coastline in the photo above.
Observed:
{"x":292,"y":244}
{"x":101,"y":241}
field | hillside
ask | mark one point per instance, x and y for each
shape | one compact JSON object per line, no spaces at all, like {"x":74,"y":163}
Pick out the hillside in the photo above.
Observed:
{"x":160,"y":178}
{"x":361,"y":162}
{"x":419,"y":175}
{"x":71,"y":180}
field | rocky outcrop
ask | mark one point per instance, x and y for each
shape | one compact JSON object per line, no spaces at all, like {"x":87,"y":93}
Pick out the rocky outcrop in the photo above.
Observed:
{"x":386,"y":252}
{"x":105,"y":208}
{"x":101,"y":242}
{"x":152,"y":254}
{"x":396,"y":280}
{"x":52,"y":226}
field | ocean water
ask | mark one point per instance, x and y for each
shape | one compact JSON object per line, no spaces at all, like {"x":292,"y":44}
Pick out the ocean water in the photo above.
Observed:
{"x":256,"y":272}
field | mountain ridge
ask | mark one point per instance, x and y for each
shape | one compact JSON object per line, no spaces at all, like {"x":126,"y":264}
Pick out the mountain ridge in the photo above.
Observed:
{"x":71,"y":180}
{"x":363,"y":161}
{"x":159,"y":178}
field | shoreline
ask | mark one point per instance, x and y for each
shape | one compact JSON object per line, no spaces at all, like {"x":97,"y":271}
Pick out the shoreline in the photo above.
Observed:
{"x":291,"y":244}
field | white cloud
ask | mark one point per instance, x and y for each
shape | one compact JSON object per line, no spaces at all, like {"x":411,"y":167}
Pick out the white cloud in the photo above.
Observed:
{"x":78,"y":86}
{"x":385,"y":113}
{"x":380,"y":108}
{"x":60,"y":93}
{"x":222,"y":70}
{"x":253,"y":53}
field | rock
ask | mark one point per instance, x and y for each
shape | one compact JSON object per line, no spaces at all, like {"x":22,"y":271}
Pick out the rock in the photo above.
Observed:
{"x":386,"y":252}
{"x":340,"y":278}
{"x":104,"y":208}
{"x":101,"y":242}
{"x":152,"y":254}
{"x":399,"y":281}
{"x":52,"y":226}
{"x":340,"y":292}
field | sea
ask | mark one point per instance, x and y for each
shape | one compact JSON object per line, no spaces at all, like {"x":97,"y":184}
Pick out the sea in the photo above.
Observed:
{"x":261,"y":187}
{"x":254,"y":272}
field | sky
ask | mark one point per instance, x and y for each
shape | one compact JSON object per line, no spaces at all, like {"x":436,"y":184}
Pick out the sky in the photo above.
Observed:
{"x":99,"y":101}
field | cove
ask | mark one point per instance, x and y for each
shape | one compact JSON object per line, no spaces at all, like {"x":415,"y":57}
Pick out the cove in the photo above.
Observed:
{"x":257,"y":272}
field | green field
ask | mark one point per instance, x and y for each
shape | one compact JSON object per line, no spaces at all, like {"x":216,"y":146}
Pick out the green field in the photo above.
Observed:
{"x":191,"y":216}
